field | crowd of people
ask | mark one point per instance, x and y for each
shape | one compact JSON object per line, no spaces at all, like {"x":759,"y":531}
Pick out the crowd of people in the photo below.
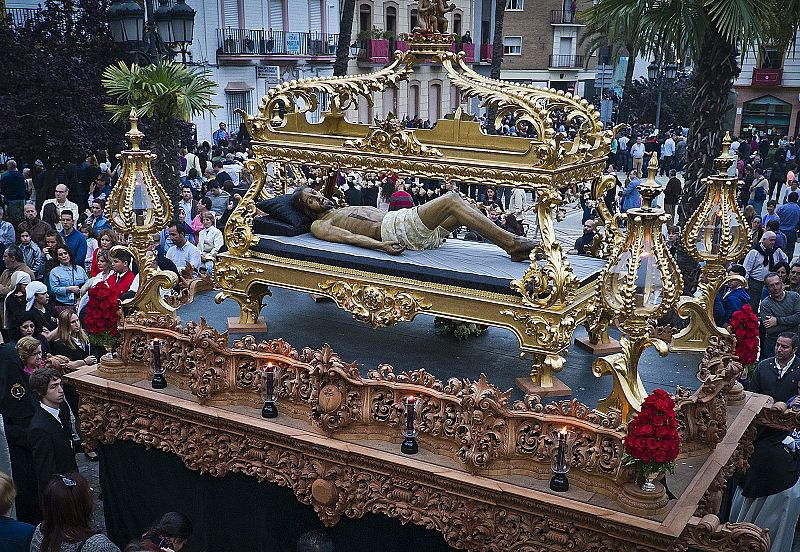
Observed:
{"x":56,"y":245}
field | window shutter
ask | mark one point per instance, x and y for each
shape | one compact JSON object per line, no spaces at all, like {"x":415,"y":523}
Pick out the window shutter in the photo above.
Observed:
{"x":315,"y":16}
{"x":276,"y":15}
{"x":230,"y":14}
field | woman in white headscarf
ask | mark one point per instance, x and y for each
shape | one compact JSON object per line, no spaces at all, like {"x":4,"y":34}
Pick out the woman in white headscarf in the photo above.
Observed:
{"x":16,"y":302}
{"x":38,"y":305}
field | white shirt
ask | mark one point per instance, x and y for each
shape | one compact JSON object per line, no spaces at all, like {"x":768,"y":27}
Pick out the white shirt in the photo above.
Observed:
{"x":186,"y":254}
{"x":637,"y":151}
{"x":623,"y":143}
{"x":66,"y":206}
{"x":53,"y":412}
{"x":668,"y":150}
{"x":781,"y":371}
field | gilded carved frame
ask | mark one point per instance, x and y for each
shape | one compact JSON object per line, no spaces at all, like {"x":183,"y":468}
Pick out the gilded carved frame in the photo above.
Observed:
{"x":542,"y":308}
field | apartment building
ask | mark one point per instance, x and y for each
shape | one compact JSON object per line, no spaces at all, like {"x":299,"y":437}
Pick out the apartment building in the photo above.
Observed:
{"x":249,"y":46}
{"x":540,"y":43}
{"x":379,"y":29}
{"x":768,"y":93}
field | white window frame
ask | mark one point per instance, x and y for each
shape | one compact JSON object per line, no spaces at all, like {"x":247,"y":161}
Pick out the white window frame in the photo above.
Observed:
{"x":507,"y":48}
{"x":515,"y":5}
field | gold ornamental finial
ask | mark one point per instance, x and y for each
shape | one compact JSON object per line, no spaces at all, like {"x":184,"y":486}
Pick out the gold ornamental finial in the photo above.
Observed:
{"x":725,"y":160}
{"x":649,"y":188}
{"x":134,"y":135}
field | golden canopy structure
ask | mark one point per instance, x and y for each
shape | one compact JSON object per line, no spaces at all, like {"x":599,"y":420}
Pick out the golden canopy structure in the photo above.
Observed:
{"x":542,"y":305}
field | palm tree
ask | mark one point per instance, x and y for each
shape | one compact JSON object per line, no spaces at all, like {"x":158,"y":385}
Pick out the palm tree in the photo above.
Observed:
{"x":345,"y":34}
{"x":713,"y":33}
{"x":622,"y":37}
{"x":165,"y":93}
{"x":497,"y":58}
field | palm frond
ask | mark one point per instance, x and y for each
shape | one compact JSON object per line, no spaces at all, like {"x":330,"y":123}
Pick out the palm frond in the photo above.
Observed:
{"x":164,"y":89}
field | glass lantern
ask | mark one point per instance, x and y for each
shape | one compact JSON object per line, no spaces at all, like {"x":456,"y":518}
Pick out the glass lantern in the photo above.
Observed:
{"x":716,"y":233}
{"x":641,"y":280}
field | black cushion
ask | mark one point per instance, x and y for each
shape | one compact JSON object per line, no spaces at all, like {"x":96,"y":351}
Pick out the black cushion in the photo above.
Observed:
{"x":281,"y":208}
{"x":273,"y":227}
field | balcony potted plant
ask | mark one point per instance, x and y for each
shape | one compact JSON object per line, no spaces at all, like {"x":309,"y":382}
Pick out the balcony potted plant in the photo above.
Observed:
{"x":402,"y":42}
{"x":378,"y":46}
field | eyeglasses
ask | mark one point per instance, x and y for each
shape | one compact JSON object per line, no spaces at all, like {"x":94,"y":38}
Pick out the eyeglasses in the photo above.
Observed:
{"x":67,"y":481}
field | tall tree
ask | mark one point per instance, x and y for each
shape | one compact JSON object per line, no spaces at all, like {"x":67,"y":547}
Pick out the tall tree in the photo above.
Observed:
{"x":714,"y":33}
{"x":166,"y":93}
{"x":622,"y":37}
{"x":497,"y":58}
{"x":345,"y":35}
{"x":51,"y":98}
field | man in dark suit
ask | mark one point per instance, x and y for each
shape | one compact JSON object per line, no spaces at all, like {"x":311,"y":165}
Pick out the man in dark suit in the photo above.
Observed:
{"x":778,"y":376}
{"x":50,"y":432}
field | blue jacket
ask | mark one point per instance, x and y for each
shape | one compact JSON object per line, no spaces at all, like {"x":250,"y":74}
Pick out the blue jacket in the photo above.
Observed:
{"x":789,"y":215}
{"x":62,"y":276}
{"x":726,"y":305}
{"x":76,"y":242}
{"x":100,"y":224}
{"x":15,"y":536}
{"x":631,"y":197}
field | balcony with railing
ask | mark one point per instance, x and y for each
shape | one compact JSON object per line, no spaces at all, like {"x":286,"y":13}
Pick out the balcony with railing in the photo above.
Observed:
{"x":250,"y":42}
{"x":564,"y":17}
{"x":18,"y":16}
{"x":374,"y":50}
{"x":767,"y":77}
{"x":467,"y":47}
{"x":565,"y":62}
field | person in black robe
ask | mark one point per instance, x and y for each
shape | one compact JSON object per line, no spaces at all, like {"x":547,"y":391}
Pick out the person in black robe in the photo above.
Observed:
{"x":17,"y":407}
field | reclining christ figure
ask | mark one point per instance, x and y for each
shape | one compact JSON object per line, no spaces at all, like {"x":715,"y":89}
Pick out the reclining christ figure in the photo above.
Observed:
{"x":422,"y":227}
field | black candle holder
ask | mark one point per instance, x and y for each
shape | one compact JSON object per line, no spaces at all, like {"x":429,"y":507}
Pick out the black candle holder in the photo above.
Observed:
{"x":270,"y":409}
{"x":409,"y":445}
{"x":563,"y":441}
{"x":158,"y":381}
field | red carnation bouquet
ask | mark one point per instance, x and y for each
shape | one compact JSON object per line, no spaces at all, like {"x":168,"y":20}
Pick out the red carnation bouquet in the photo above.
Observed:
{"x":744,"y":326}
{"x":101,"y":316}
{"x":653,"y":443}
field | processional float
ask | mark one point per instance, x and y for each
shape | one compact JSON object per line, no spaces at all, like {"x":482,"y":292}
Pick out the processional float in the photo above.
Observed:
{"x":481,"y":476}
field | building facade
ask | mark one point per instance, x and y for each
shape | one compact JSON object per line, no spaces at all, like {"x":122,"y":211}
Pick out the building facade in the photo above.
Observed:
{"x":380,"y":27}
{"x":541,"y":43}
{"x":249,"y":46}
{"x":768,"y":94}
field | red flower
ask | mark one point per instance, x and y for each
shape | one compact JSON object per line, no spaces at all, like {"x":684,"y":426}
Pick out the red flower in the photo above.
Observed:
{"x":652,"y":435}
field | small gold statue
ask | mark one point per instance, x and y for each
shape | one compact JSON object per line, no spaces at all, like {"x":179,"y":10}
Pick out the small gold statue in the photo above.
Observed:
{"x":431,"y":16}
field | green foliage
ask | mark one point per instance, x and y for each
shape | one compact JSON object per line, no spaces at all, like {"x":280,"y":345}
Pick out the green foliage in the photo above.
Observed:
{"x":51,"y":98}
{"x":166,"y":94}
{"x":165,"y":89}
{"x":641,"y":99}
{"x":676,"y":29}
{"x":461,"y":330}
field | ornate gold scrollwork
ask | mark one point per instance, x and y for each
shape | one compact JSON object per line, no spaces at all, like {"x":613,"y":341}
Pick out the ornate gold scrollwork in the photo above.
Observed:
{"x":700,"y":311}
{"x":239,"y":236}
{"x":398,"y":142}
{"x":374,"y":305}
{"x":627,"y":392}
{"x":533,"y":105}
{"x":555,"y":333}
{"x":345,"y":93}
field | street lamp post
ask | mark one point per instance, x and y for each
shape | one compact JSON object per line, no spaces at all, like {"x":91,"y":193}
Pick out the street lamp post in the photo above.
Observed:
{"x":661,"y":72}
{"x":152,"y":33}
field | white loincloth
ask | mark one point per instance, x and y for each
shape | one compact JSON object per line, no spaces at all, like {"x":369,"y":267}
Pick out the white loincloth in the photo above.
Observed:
{"x":405,"y":227}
